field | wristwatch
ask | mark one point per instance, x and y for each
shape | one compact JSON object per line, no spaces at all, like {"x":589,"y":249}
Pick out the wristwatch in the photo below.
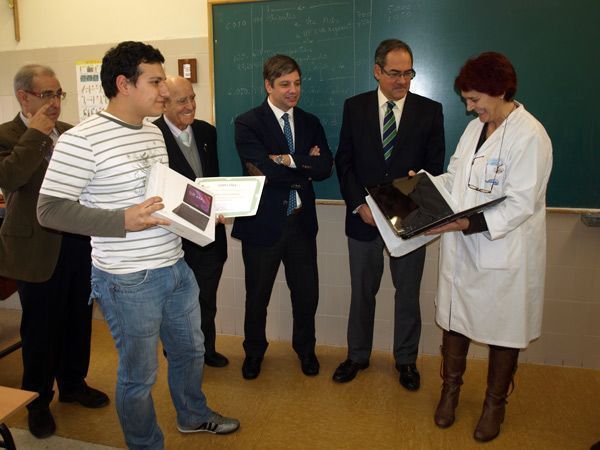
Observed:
{"x":279,"y":159}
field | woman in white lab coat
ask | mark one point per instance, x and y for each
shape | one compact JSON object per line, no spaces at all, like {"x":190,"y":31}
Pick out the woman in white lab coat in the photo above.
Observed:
{"x":492,"y":265}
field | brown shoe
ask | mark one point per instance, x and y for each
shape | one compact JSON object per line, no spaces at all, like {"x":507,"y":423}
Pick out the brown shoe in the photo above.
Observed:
{"x":455,"y":347}
{"x":501,"y":369}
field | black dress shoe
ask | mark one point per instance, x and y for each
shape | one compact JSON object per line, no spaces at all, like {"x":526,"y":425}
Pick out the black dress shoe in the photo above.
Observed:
{"x":251,"y":367}
{"x":347,"y":370}
{"x":310,"y":364}
{"x":215,"y":360}
{"x":85,"y":396}
{"x":41,"y":423}
{"x":409,"y":376}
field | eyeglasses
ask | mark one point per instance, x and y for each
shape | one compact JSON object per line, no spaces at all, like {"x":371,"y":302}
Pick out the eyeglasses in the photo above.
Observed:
{"x":395,"y":75}
{"x":487,"y":182}
{"x":491,"y":163}
{"x":185,"y":100}
{"x":49,"y":95}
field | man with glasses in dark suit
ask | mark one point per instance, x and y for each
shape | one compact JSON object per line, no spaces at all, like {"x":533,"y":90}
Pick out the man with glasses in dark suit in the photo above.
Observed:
{"x":385,"y":133}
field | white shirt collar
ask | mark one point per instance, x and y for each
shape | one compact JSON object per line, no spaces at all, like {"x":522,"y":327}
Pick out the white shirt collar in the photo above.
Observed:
{"x":26,"y":122}
{"x":279,"y":112}
{"x":176,"y":131}
{"x":382,"y":100}
{"x":24,"y":119}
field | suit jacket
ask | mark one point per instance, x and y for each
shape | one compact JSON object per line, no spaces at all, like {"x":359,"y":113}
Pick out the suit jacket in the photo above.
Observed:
{"x":205,"y":136}
{"x":28,"y":252}
{"x":258,"y":134}
{"x":360,"y":161}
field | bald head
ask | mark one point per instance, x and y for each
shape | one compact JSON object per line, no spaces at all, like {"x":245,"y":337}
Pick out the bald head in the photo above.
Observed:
{"x":180,"y":107}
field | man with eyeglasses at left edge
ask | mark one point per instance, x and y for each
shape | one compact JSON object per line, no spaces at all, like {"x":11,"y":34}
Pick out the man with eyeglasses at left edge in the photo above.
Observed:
{"x":385,"y":133}
{"x":52,"y":269}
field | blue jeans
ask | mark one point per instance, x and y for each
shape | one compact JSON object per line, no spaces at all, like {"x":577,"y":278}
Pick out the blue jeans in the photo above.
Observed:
{"x":139,"y":307}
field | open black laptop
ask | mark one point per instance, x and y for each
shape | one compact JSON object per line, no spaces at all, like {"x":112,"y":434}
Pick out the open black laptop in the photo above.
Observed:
{"x":196,"y":206}
{"x":414,"y":205}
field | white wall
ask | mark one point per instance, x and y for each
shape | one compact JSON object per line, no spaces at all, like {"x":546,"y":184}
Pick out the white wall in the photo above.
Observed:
{"x":63,"y":23}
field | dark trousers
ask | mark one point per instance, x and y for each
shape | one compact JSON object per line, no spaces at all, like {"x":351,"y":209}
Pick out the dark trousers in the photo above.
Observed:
{"x":366,"y":270}
{"x":56,"y":324}
{"x":207,"y":265}
{"x":298,"y":252}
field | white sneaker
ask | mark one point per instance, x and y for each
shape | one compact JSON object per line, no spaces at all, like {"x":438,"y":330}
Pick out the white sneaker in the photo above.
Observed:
{"x":216,"y":424}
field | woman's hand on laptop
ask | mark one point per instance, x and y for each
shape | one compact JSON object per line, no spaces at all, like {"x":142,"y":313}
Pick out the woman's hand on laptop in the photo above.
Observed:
{"x":458,"y":225}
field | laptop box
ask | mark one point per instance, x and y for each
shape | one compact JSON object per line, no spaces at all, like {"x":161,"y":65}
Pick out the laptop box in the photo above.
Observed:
{"x":187,"y":205}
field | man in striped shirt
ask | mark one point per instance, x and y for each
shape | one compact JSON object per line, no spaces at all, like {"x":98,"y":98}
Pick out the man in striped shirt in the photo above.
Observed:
{"x":95,"y":185}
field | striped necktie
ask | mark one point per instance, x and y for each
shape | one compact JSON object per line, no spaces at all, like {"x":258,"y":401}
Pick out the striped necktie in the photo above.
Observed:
{"x":287,"y":131}
{"x":389,"y":131}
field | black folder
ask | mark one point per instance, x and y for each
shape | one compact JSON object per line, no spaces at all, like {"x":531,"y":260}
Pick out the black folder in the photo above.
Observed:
{"x":414,"y":205}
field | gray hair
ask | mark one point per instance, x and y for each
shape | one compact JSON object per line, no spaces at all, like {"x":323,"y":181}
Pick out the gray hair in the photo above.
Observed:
{"x":24,"y":78}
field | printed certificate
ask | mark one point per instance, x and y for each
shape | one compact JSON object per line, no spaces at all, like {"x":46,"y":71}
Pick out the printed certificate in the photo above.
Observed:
{"x":234,"y":196}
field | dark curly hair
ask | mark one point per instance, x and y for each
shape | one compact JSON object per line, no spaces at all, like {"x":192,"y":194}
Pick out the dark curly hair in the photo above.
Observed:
{"x":490,"y":73}
{"x":124,"y":59}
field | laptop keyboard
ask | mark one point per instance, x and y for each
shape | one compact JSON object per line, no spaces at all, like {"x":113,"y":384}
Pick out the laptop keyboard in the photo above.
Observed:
{"x":191,"y":215}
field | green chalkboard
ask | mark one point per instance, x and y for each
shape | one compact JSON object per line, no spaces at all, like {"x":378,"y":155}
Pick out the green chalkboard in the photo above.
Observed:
{"x":553,"y":44}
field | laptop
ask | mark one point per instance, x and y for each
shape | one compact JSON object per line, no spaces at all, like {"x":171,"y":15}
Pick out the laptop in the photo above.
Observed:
{"x":414,"y":205}
{"x":196,"y":206}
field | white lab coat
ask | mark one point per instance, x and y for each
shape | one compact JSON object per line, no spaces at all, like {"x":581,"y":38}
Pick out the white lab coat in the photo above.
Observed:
{"x":491,"y":284}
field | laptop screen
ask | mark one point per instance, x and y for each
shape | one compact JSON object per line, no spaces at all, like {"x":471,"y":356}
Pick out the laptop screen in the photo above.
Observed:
{"x":410,"y":203}
{"x":197,"y":198}
{"x":413,"y":205}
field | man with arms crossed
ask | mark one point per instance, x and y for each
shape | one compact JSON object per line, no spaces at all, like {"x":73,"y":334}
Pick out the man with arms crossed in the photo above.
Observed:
{"x":95,"y":185}
{"x":53,"y":268}
{"x":385,"y":133}
{"x":192,"y":148}
{"x":289,"y":147}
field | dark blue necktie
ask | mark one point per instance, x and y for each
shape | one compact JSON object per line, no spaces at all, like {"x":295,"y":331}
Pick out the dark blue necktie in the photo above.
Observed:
{"x":389,"y":131}
{"x":287,"y":131}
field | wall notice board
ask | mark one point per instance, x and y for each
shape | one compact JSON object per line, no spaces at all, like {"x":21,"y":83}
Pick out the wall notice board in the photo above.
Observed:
{"x":552,"y":44}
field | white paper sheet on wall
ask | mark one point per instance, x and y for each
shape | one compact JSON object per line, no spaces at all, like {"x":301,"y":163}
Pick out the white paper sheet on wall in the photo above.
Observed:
{"x":90,"y":96}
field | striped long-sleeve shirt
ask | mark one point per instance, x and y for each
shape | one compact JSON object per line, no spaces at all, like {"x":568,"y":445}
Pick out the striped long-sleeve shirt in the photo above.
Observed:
{"x":103,"y":163}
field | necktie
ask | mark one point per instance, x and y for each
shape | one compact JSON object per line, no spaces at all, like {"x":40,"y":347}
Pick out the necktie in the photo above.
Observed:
{"x":185,"y":138}
{"x":287,"y":131}
{"x":389,"y":131}
{"x":54,"y":136}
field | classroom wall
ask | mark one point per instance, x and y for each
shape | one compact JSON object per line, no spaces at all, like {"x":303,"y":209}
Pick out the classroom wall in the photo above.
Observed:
{"x":64,"y":23}
{"x":63,"y":61}
{"x":571,"y":335}
{"x":570,"y":331}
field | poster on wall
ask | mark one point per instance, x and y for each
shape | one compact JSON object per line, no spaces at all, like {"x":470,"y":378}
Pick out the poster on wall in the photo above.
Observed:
{"x":90,"y":96}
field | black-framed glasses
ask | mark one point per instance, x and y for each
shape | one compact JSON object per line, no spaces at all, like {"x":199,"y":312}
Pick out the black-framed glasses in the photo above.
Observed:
{"x":48,"y":95}
{"x":396,"y":75}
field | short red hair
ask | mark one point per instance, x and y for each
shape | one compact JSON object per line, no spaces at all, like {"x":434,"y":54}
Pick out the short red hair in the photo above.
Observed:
{"x":490,"y":73}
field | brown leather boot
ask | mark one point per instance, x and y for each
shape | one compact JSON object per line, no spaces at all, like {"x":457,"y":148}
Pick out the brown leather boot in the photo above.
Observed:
{"x":455,"y":347}
{"x":501,"y":370}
